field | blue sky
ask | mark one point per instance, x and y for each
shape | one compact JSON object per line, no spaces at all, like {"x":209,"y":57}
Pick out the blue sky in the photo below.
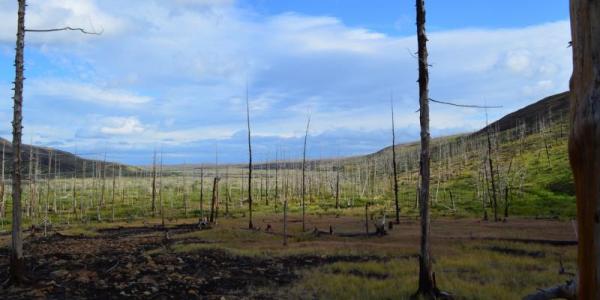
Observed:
{"x":171,"y":75}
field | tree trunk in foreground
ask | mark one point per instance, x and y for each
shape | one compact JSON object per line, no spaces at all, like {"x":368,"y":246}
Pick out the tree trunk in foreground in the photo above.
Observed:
{"x":584,"y":140}
{"x":426,"y":287}
{"x":17,"y":263}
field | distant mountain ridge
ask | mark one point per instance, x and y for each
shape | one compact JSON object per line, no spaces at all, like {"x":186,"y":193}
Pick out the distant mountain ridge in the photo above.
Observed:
{"x":63,"y":162}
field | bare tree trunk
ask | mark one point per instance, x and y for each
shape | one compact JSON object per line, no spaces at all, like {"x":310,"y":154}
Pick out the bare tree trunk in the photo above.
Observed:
{"x":48,"y":185}
{"x":276,"y":177}
{"x":201,"y":193}
{"x":584,"y":145}
{"x":304,"y":176}
{"x":367,"y":219}
{"x":249,"y":162}
{"x":285,"y":208}
{"x":491,"y":164}
{"x":160,"y":198}
{"x":426,"y":285}
{"x":154,"y":184}
{"x":214,"y":200}
{"x":394,"y":166}
{"x":17,"y":263}
{"x":3,"y":197}
{"x":112,"y":200}
{"x":337,"y":187}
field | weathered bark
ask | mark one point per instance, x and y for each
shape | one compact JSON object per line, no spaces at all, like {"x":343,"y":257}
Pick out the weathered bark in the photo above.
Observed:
{"x":394,"y":166}
{"x":160,"y":198}
{"x":214,"y":200}
{"x":337,"y":187}
{"x":426,"y":286}
{"x":17,"y":262}
{"x":154,"y":184}
{"x":249,"y":162}
{"x":112,"y":197}
{"x":584,"y":140}
{"x":285,"y":208}
{"x":304,"y":176}
{"x":491,"y":165}
{"x":201,"y":193}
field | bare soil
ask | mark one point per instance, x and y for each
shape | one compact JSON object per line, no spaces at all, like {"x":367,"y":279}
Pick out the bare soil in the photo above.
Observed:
{"x":138,"y":262}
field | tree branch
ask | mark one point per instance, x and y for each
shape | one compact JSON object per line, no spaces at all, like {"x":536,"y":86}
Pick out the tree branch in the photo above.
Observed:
{"x":463,"y":105}
{"x":564,"y":291}
{"x":65,"y":29}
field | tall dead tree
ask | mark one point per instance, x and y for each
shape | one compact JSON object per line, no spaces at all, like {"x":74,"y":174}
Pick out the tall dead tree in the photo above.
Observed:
{"x":426,"y":282}
{"x":112,"y":197}
{"x":337,"y":186}
{"x":395,"y":172}
{"x":17,"y":265}
{"x":201,"y":193}
{"x":249,"y":162}
{"x":17,"y":262}
{"x":304,"y":176}
{"x":214,"y":203}
{"x":584,"y":145}
{"x":154,"y":184}
{"x":492,"y":176}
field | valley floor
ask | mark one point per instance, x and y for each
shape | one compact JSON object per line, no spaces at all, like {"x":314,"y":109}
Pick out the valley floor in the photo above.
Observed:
{"x":472,"y":259}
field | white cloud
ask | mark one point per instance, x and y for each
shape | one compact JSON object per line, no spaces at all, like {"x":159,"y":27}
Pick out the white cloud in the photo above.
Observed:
{"x":86,"y":93}
{"x":518,"y":61}
{"x":122,"y":126}
{"x":195,"y":56}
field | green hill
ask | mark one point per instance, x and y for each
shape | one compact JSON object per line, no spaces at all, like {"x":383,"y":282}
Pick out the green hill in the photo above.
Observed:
{"x":531,"y":173}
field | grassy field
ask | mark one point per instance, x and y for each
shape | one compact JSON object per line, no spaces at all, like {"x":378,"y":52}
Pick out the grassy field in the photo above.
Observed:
{"x":472,"y":259}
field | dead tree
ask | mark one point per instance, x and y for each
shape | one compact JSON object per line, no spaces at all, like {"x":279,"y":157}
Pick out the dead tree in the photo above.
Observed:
{"x":201,"y":193}
{"x":427,"y":286}
{"x":17,"y":262}
{"x":584,"y":149}
{"x":214,"y":201}
{"x":285,"y":208}
{"x":249,"y":162}
{"x":3,"y":196}
{"x":304,"y":176}
{"x":491,"y":165}
{"x":337,"y":186}
{"x":112,"y":198}
{"x":395,"y":172}
{"x":160,"y":186}
{"x":154,"y":184}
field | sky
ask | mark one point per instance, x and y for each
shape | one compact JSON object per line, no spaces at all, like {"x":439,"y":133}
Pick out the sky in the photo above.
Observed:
{"x":172,"y":76}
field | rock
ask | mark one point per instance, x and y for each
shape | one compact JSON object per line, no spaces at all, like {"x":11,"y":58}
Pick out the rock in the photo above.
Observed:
{"x":85,"y":276}
{"x":59,"y":273}
{"x":147,"y":280}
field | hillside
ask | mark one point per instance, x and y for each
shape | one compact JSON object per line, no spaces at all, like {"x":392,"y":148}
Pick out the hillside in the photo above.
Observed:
{"x":63,"y":162}
{"x":529,"y":160}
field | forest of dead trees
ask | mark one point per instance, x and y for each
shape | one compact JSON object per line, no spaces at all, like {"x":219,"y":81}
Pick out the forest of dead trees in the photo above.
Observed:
{"x":419,"y":176}
{"x":103,"y":191}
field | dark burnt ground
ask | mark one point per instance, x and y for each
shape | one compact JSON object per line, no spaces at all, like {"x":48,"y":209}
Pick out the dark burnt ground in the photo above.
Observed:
{"x":116,"y":265}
